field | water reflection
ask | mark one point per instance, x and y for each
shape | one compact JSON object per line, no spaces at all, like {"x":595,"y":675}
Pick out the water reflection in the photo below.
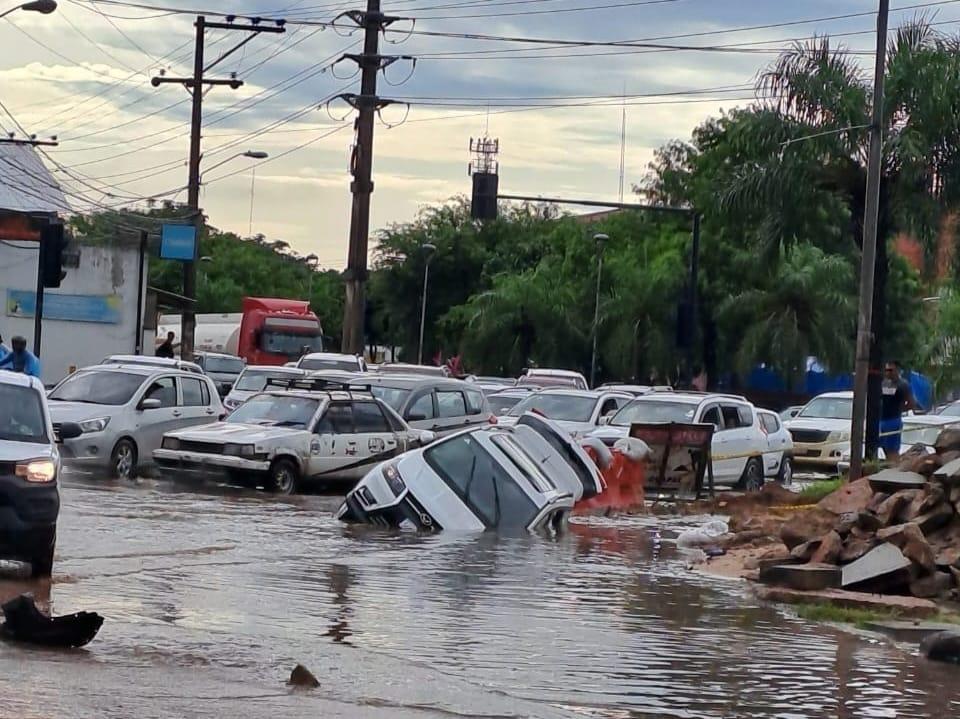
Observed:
{"x":212,"y":596}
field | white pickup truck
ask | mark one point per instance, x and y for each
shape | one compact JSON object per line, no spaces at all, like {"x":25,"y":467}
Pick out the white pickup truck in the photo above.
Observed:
{"x":297,"y":430}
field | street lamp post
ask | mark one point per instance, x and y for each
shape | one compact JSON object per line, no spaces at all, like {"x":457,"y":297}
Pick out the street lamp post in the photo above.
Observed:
{"x":311,"y":261}
{"x":428,"y":249}
{"x":44,"y":7}
{"x":601,"y":240}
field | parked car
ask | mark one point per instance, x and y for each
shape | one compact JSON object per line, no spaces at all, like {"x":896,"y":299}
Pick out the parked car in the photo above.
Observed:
{"x":331,"y":361}
{"x":296,"y":431}
{"x":524,"y":477}
{"x":124,"y":411}
{"x":490,"y":385}
{"x":502,"y":402}
{"x":637,"y":390}
{"x":778,"y":459}
{"x":149,"y":361}
{"x":223,"y":369}
{"x":413,"y":369}
{"x":436,"y":404}
{"x":578,"y":412}
{"x":738,"y":443}
{"x":821,"y":430}
{"x":790,"y":412}
{"x":253,"y":379}
{"x":553,"y":378}
{"x":29,"y":472}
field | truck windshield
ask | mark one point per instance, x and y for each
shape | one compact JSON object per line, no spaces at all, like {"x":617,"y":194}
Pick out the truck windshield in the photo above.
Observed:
{"x":104,"y":387}
{"x":290,"y":344}
{"x":276,"y":411}
{"x":21,"y":415}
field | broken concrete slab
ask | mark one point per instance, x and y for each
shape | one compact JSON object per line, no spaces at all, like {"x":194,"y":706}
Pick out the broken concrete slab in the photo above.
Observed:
{"x":909,"y":631}
{"x":851,"y":497}
{"x":893,"y":480}
{"x":829,"y":550}
{"x":942,"y":647}
{"x":904,"y":606}
{"x":803,"y":553}
{"x":806,"y":577}
{"x":883,"y":568}
{"x":932,"y":585}
{"x":948,"y":471}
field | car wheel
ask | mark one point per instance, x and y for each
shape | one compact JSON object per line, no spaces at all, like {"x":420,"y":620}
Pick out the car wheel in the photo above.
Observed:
{"x":123,"y":460}
{"x":785,"y":477}
{"x":752,"y":480}
{"x":41,"y":563}
{"x":284,"y":476}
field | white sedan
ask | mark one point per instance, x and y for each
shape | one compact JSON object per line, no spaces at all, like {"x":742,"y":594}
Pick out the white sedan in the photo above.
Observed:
{"x":579,"y":412}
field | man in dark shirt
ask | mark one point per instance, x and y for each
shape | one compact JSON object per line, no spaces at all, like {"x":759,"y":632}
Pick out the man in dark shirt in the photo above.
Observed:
{"x":166,"y":349}
{"x":897,"y":398}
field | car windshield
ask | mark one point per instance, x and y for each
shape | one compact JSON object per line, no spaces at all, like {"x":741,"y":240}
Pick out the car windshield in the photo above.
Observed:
{"x":393,"y":396}
{"x":21,"y":415}
{"x":226,"y":365}
{"x":828,"y":408}
{"x":256,"y":380}
{"x":501,"y":405}
{"x":315,"y":364}
{"x":563,"y":407}
{"x":276,"y":411}
{"x":654,"y":411}
{"x":113,"y":388}
{"x":951,"y":410}
{"x":289,"y":343}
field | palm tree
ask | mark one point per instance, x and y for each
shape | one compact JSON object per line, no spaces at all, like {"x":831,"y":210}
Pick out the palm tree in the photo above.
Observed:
{"x":809,"y":137}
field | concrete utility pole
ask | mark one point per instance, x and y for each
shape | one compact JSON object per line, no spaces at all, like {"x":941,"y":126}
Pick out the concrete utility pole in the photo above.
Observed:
{"x":367,"y":104}
{"x":869,"y":251}
{"x":195,"y":86}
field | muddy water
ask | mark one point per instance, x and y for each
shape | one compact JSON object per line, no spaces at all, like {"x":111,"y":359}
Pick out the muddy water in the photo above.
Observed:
{"x":211,"y":597}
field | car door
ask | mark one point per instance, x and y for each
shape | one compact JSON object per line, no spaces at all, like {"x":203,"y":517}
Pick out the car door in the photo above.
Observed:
{"x":376,"y":440}
{"x":722,"y":467}
{"x":335,"y":444}
{"x":778,"y":441}
{"x":197,"y":405}
{"x":478,"y":409}
{"x":741,"y":442}
{"x":421,"y":411}
{"x":153,"y":423}
{"x":451,"y":411}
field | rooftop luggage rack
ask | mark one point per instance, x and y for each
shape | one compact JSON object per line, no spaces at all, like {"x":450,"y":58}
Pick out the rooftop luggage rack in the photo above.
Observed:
{"x":315,"y":384}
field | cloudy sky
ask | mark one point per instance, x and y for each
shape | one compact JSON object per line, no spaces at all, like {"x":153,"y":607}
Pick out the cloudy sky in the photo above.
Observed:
{"x":83,"y":74}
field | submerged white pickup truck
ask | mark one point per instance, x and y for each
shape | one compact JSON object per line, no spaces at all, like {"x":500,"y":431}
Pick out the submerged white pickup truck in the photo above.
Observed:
{"x":297,"y":430}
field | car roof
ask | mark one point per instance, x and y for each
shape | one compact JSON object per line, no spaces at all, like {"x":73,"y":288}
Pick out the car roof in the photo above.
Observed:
{"x":411,"y":381}
{"x":515,"y":392}
{"x":205,"y":353}
{"x":313,"y":394}
{"x":20,"y":379}
{"x":274,"y":368}
{"x":835,"y":395}
{"x":139,"y":368}
{"x":688,"y":397}
{"x":332,"y":356}
{"x":545,"y":372}
{"x":585,"y":393}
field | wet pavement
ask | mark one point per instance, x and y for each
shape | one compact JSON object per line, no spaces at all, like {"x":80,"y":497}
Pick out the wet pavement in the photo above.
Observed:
{"x":212,"y":596}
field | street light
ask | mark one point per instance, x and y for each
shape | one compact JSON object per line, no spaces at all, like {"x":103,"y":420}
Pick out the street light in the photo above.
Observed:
{"x":253,"y":183}
{"x":252,"y":154}
{"x":311,"y":261}
{"x":601,"y":240}
{"x":428,"y":249}
{"x":44,"y":7}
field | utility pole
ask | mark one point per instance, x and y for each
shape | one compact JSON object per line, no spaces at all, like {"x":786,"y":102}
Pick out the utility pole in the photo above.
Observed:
{"x":195,"y":86}
{"x":869,"y":251}
{"x":367,"y":105}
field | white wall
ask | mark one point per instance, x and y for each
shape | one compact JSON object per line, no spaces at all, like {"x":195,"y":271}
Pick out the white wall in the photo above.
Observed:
{"x":103,"y":270}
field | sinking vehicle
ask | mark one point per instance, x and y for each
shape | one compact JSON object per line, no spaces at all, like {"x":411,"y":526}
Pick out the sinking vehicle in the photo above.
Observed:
{"x":523,"y":477}
{"x":297,"y":430}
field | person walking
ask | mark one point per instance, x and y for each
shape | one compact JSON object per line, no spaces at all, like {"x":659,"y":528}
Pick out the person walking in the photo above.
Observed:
{"x":20,"y":359}
{"x":896,"y":399}
{"x":166,"y":348}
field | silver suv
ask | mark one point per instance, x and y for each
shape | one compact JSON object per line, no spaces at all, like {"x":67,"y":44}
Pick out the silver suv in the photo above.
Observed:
{"x":124,"y":411}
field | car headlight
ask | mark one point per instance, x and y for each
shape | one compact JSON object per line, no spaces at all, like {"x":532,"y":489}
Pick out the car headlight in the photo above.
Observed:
{"x":239,"y":450}
{"x":394,"y":480}
{"x":839,"y":436}
{"x":170,"y":443}
{"x":95,"y":425}
{"x":37,"y":470}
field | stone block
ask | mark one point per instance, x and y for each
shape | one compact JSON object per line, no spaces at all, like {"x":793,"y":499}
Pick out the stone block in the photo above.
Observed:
{"x":921,"y":554}
{"x":932,"y":585}
{"x":883,"y":569}
{"x":900,"y":534}
{"x":947,"y":441}
{"x":851,"y":497}
{"x":889,"y":510}
{"x":948,"y":557}
{"x":893,"y":480}
{"x":804,"y":552}
{"x":831,"y":545}
{"x":854,"y":549}
{"x":805,"y":577}
{"x":936,"y":518}
{"x":868,"y":522}
{"x":806,"y":525}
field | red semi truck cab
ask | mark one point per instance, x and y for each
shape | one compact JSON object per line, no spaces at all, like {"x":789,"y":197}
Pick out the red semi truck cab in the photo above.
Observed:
{"x":275,"y":331}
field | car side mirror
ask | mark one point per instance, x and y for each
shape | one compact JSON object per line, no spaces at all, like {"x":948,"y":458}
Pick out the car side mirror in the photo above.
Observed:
{"x":68,"y":430}
{"x":427,"y":437}
{"x":605,"y":419}
{"x":150,"y":403}
{"x":416,"y":417}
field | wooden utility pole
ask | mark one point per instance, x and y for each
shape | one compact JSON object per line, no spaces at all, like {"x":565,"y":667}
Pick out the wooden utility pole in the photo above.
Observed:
{"x":195,"y":86}
{"x":869,"y":251}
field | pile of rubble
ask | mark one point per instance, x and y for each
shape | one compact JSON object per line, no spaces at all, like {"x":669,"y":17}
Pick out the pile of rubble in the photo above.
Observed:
{"x":894,"y":532}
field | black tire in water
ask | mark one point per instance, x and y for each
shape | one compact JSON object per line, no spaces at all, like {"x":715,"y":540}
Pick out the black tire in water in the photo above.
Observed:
{"x":123,"y":460}
{"x":284,"y":476}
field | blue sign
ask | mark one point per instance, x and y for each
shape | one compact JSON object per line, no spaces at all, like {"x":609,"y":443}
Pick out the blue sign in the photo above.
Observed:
{"x":178,"y":242}
{"x":72,"y":308}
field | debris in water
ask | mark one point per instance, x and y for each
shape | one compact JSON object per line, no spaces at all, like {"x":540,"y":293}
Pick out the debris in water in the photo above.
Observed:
{"x":26,"y":623}
{"x":303,"y":677}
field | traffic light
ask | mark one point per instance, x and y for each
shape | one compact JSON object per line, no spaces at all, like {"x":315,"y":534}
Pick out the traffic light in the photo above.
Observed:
{"x":52,"y":244}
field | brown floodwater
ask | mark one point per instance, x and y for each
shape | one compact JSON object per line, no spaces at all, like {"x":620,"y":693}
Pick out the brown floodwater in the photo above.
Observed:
{"x":212,"y":595}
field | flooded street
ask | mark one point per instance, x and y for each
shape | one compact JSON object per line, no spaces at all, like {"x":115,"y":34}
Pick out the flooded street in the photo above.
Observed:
{"x":212,"y":596}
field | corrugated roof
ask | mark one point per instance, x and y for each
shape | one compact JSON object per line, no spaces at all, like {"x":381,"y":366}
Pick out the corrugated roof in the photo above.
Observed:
{"x":26,"y":185}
